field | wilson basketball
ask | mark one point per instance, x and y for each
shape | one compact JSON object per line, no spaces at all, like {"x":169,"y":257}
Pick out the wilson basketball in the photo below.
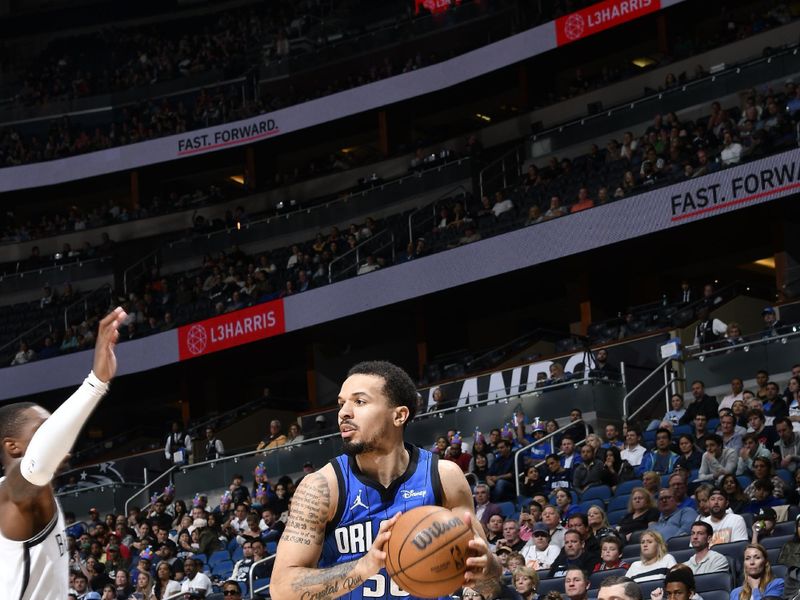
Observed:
{"x":427,"y":552}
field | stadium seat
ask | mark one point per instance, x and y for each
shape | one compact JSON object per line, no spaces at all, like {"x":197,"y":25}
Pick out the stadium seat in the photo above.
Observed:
{"x":794,"y":512}
{"x":587,"y":504}
{"x":631,"y":551}
{"x":712,"y":581}
{"x":595,"y":579}
{"x":716,"y":595}
{"x":647,"y":587}
{"x":776,"y":541}
{"x":507,"y":509}
{"x":785,"y":528}
{"x":748,"y":520}
{"x":744,"y":480}
{"x":219,"y":556}
{"x":223,"y":569}
{"x":779,"y":570}
{"x":786,"y":475}
{"x":680,"y":542}
{"x":682,"y":555}
{"x":237,"y":554}
{"x":271,"y":548}
{"x":773,"y":554}
{"x":626,"y":486}
{"x":598,"y":492}
{"x":734,"y":549}
{"x":618,"y":503}
{"x":681,"y":430}
{"x":549,"y":585}
{"x":260,"y":583}
{"x":614,"y":516}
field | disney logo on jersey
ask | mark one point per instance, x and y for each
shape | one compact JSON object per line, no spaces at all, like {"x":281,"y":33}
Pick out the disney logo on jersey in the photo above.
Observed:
{"x":408,"y":494}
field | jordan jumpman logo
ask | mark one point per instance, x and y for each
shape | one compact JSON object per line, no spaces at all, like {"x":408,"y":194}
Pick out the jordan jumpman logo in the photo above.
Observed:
{"x":359,"y":502}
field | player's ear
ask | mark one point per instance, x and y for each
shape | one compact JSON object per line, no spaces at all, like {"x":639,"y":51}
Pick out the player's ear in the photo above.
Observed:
{"x":401,"y":414}
{"x":12,"y":448}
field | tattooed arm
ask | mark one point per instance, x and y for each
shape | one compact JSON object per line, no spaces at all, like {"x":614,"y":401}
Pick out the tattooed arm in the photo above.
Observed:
{"x":483,"y":570}
{"x":295,"y":575}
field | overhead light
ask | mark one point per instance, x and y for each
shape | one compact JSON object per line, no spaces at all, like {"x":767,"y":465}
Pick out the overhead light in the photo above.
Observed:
{"x":768,"y":262}
{"x":483,"y":117}
{"x":237,"y":179}
{"x":643,"y":62}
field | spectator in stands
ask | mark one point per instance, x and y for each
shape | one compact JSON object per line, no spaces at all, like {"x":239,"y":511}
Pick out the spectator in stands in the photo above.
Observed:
{"x":654,"y":561}
{"x":501,"y":204}
{"x":764,"y":524}
{"x":563,"y":499}
{"x":727,"y":526}
{"x":762,"y":491}
{"x":557,"y":476}
{"x":677,"y":483}
{"x":511,"y":537}
{"x":718,"y":461}
{"x":774,"y":404}
{"x":610,"y":555}
{"x":786,"y":451}
{"x":634,"y":452}
{"x":673,"y":521}
{"x":195,"y":582}
{"x":662,"y":459}
{"x":526,"y":580}
{"x":619,"y":588}
{"x":612,"y":437}
{"x":757,"y":420}
{"x":772,"y":325}
{"x":484,"y":509}
{"x":589,"y":472}
{"x":479,"y":468}
{"x":751,"y":449}
{"x":214,"y":447}
{"x":531,"y":482}
{"x":555,"y":210}
{"x":762,"y":469}
{"x":455,"y":454}
{"x":689,"y":457}
{"x":573,"y":554}
{"x":700,"y":432}
{"x":584,"y":201}
{"x":737,"y":387}
{"x":501,"y":473}
{"x":704,"y":560}
{"x":759,"y":581}
{"x":178,"y":447}
{"x":790,"y":557}
{"x":701,"y":495}
{"x":702,"y":403}
{"x":576,"y":584}
{"x":539,"y":553}
{"x":675,"y":414}
{"x":597,"y":522}
{"x":792,"y":396}
{"x":274,"y":438}
{"x":731,"y":438}
{"x":164,"y":584}
{"x":24,"y":354}
{"x":737,"y":499}
{"x":641,"y":512}
{"x":494,"y":530}
{"x":551,"y":518}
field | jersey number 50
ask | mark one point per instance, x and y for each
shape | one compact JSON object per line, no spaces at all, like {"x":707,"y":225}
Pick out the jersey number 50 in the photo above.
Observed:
{"x":379,"y":591}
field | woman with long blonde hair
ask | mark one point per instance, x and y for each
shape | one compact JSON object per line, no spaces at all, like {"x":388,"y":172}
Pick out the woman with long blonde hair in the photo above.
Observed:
{"x":654,"y":561}
{"x":759,"y":581}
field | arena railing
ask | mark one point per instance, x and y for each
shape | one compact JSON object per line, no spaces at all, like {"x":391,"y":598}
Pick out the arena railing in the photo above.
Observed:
{"x":252,"y":592}
{"x":549,"y":436}
{"x":420,"y":219}
{"x":348,"y":263}
{"x":750,"y":341}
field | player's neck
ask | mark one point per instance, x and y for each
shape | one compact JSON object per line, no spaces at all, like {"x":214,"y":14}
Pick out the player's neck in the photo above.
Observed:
{"x":384,"y":466}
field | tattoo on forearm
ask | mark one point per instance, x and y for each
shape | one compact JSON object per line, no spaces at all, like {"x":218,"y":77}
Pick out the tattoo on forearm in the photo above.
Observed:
{"x":309,"y":514}
{"x":328,"y":583}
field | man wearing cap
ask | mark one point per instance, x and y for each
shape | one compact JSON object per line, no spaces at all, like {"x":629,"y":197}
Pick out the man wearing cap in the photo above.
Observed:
{"x":772,"y":324}
{"x":763,"y":524}
{"x":727,"y":526}
{"x":539,"y":553}
{"x":167,"y":552}
{"x":704,"y":560}
{"x":195,"y":582}
{"x":786,"y":451}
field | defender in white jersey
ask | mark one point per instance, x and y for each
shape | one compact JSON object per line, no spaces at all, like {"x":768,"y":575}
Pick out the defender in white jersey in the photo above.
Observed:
{"x":33,"y":552}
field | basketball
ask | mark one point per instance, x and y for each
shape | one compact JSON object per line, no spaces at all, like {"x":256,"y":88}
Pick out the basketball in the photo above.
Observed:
{"x":427,"y":552}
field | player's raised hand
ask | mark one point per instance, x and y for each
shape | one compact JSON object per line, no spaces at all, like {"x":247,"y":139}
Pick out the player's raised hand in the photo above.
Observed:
{"x":105,"y":362}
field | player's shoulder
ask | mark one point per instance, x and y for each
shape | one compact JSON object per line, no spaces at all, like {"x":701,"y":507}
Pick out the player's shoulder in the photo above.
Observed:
{"x":321,"y":486}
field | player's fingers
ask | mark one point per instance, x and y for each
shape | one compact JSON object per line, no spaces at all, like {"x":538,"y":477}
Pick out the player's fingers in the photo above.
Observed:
{"x":387,"y":524}
{"x":111,"y":317}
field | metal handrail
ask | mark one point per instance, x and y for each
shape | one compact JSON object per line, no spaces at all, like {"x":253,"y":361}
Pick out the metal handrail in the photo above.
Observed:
{"x":147,"y":486}
{"x":25,"y":334}
{"x":702,"y":354}
{"x":519,"y":451}
{"x":501,"y":160}
{"x":90,"y":488}
{"x":84,"y":300}
{"x":639,"y":385}
{"x":432,"y":205}
{"x":253,"y":568}
{"x":125,"y":273}
{"x":655,"y":395}
{"x":50,"y":267}
{"x":357,"y":251}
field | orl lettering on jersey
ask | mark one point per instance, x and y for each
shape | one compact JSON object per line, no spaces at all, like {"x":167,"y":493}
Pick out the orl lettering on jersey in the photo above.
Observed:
{"x":354,"y":538}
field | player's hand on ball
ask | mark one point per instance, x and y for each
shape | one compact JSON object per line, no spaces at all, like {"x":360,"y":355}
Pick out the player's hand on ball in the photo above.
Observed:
{"x":374,"y":560}
{"x":480,"y":565}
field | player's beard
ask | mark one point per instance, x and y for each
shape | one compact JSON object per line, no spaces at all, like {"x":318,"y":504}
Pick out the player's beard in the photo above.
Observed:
{"x":356,"y":448}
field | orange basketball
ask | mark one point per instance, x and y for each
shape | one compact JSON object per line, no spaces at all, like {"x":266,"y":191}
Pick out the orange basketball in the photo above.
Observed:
{"x":427,"y":551}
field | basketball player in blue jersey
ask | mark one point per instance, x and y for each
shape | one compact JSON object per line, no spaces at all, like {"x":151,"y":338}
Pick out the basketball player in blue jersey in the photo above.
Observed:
{"x":34,"y":564}
{"x":342,"y":515}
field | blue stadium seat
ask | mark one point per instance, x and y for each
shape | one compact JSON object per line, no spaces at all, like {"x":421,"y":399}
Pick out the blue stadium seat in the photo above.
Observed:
{"x":507,"y":509}
{"x":776,"y":541}
{"x":260,"y":583}
{"x":744,"y":480}
{"x":712,"y":581}
{"x":631,"y":551}
{"x":785,"y":528}
{"x":615,"y":515}
{"x":716,"y":595}
{"x":223,"y":569}
{"x":647,"y":587}
{"x":598,"y":492}
{"x":237,"y":554}
{"x":734,"y":549}
{"x":595,"y":579}
{"x":271,"y":548}
{"x":773,"y":554}
{"x":712,"y":425}
{"x":549,"y":585}
{"x":680,"y":430}
{"x":680,"y":542}
{"x":786,"y":475}
{"x":618,"y":502}
{"x":779,"y":570}
{"x":587,"y":504}
{"x":626,"y":486}
{"x":649,"y":438}
{"x":232,"y":545}
{"x":219,"y":556}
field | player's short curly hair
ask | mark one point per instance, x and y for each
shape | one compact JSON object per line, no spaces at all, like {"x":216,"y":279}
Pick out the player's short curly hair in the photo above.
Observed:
{"x":398,"y":386}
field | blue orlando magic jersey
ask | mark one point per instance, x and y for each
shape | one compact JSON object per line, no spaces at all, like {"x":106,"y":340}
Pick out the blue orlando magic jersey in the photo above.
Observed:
{"x":364,"y":503}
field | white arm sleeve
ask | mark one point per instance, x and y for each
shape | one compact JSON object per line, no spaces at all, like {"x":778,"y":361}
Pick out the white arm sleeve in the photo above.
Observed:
{"x":53,"y":440}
